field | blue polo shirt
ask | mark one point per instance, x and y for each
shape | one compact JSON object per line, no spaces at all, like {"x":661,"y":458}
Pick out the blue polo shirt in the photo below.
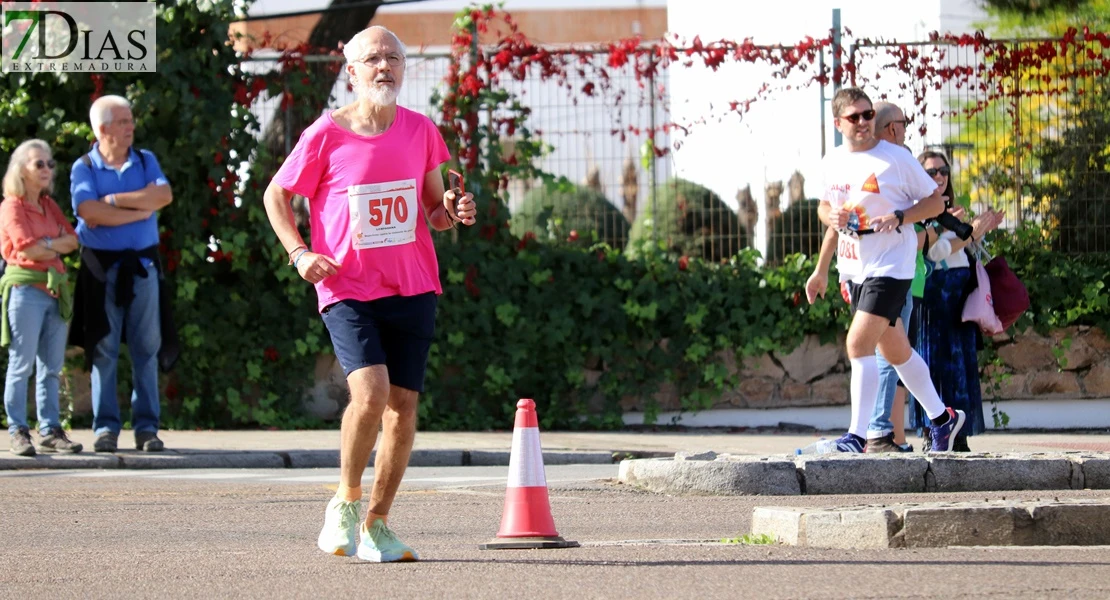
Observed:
{"x":92,"y":183}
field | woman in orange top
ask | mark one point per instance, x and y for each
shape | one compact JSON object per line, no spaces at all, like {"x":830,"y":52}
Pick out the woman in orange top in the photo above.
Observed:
{"x":33,"y":235}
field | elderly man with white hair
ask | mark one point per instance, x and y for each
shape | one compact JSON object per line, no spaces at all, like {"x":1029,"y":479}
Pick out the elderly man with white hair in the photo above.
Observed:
{"x":371,"y":172}
{"x":116,"y":192}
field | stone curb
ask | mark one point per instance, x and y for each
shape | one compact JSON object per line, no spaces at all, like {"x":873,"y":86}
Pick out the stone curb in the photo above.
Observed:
{"x":866,"y":474}
{"x":938,"y":525}
{"x":280,"y":459}
{"x":741,"y":476}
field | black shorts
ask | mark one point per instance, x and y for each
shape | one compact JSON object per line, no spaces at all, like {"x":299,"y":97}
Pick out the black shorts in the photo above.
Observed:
{"x":880,"y":296}
{"x":396,"y":331}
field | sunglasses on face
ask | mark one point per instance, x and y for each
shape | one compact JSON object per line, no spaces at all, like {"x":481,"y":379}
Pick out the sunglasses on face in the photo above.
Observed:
{"x":855,"y":118}
{"x":942,"y":170}
{"x":42,"y":164}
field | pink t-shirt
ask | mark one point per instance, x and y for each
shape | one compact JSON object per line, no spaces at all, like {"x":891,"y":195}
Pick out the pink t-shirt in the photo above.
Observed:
{"x":365,"y":208}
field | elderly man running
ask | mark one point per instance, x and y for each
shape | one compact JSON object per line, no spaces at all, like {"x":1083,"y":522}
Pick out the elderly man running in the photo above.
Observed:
{"x":371,"y":171}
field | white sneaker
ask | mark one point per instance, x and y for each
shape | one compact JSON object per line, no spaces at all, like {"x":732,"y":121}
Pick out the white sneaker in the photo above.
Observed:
{"x":380,"y":544}
{"x":341,"y":523}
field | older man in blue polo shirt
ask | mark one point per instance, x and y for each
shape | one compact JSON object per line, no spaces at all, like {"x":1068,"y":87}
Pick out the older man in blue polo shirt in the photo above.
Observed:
{"x":116,"y":191}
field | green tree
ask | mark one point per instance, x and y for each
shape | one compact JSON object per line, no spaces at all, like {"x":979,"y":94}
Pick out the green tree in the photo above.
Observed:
{"x":247,"y":324}
{"x":561,"y":210}
{"x":1076,"y":179}
{"x":688,"y":219}
{"x":1041,"y":94}
{"x":798,"y":230}
{"x":1044,"y":17}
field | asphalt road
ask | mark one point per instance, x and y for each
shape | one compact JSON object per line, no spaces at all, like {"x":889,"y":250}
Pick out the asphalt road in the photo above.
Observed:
{"x":251,"y":534}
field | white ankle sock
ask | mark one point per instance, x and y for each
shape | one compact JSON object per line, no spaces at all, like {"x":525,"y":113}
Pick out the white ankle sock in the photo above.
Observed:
{"x":865,"y":391}
{"x":914,"y":374}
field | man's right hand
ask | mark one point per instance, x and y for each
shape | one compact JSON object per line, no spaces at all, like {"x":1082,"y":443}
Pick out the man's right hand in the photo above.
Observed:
{"x":816,"y":285}
{"x":838,"y":217}
{"x":315,"y":267}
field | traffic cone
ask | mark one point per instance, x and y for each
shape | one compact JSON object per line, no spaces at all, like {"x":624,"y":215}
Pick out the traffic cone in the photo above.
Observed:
{"x":526,"y":521}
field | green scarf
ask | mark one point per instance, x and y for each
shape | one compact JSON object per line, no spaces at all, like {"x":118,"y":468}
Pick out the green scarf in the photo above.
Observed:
{"x":56,"y":282}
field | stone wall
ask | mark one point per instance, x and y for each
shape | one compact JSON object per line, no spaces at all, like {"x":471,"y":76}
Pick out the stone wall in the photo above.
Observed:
{"x":1034,"y":367}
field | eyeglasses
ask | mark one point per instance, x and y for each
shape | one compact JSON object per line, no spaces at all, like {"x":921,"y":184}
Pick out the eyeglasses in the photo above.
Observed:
{"x":42,"y":164}
{"x":942,"y":170}
{"x":902,"y":122}
{"x":393,"y":60}
{"x":855,"y":118}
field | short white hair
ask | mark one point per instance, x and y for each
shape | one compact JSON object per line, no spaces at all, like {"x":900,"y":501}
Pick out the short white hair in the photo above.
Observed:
{"x":101,"y":111}
{"x":355,"y":50}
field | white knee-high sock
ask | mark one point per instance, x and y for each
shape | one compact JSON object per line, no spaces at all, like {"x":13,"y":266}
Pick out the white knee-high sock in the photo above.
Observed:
{"x":865,"y":391}
{"x":914,"y":374}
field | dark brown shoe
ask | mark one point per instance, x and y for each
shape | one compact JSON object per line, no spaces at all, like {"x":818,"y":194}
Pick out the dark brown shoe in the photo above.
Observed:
{"x":106,"y":442}
{"x":883,"y":444}
{"x":57,"y":441}
{"x":148,"y":441}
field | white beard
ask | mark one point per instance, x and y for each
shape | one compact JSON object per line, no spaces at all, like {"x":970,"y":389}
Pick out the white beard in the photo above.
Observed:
{"x":379,"y":95}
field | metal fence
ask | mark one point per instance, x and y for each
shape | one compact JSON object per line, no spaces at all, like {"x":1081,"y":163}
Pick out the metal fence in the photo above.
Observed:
{"x":1030,"y":140}
{"x":1033,"y":144}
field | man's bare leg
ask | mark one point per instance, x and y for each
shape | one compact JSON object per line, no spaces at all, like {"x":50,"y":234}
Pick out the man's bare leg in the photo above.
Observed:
{"x":398,"y":434}
{"x":359,"y":430}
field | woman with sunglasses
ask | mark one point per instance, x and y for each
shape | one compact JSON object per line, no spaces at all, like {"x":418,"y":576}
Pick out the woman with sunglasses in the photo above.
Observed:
{"x":947,"y":344}
{"x":37,"y":300}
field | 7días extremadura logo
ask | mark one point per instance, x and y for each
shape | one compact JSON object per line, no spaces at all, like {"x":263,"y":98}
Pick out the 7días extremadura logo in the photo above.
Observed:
{"x":77,"y":37}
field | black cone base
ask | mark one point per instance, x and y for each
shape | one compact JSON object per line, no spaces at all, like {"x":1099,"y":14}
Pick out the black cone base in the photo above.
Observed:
{"x":527,"y":543}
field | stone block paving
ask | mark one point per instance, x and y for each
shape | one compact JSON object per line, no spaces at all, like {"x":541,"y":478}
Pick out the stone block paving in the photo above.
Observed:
{"x":726,"y":474}
{"x":933,"y":525}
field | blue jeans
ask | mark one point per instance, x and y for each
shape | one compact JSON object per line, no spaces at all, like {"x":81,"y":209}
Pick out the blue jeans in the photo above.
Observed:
{"x":38,"y":342}
{"x":888,"y":383}
{"x":144,"y":338}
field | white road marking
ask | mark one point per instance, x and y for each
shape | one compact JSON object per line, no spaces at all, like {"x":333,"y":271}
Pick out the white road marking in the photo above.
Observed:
{"x":449,"y":479}
{"x":208,"y":475}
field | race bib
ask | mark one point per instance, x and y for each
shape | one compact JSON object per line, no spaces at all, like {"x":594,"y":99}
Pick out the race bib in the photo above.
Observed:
{"x":383,"y":214}
{"x":848,"y":254}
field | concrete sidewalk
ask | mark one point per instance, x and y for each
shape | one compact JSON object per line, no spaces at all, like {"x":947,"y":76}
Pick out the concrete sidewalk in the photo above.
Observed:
{"x":319,"y":448}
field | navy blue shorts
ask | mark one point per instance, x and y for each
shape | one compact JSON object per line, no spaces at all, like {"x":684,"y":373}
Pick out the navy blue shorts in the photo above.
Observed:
{"x":396,"y":331}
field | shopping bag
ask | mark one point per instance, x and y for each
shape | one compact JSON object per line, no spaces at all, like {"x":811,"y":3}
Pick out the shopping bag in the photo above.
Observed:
{"x":1011,"y":299}
{"x":979,"y":306}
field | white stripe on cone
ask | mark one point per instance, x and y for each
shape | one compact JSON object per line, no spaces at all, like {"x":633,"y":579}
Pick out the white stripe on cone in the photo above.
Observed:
{"x":526,"y":460}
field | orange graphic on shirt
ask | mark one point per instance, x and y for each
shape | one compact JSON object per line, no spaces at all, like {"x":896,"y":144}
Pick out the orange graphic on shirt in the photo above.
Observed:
{"x":857,"y":218}
{"x":871,"y":185}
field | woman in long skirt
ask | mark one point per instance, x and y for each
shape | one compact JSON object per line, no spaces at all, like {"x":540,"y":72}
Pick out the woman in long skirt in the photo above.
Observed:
{"x":948,"y":345}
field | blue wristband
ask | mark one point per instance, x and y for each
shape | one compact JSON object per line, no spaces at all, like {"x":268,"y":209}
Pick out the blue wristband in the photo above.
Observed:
{"x":303,"y":252}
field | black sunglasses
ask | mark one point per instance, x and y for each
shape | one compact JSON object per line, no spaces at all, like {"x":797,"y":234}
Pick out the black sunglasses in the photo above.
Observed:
{"x":855,"y":118}
{"x":41,"y":164}
{"x":942,"y":170}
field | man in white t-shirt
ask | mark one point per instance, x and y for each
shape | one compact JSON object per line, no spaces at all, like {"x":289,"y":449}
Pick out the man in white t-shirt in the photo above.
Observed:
{"x":886,"y":427}
{"x":873,"y":193}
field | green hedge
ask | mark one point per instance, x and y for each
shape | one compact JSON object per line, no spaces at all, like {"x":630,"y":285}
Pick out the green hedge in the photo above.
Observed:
{"x":537,"y":320}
